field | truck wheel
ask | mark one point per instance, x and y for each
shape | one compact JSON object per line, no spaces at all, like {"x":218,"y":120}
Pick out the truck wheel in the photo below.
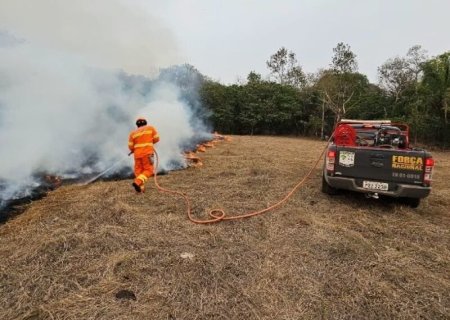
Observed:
{"x":326,"y":188}
{"x":412,"y":202}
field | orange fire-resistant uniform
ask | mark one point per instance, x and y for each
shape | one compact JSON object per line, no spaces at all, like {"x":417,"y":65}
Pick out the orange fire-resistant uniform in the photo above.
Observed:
{"x":140,"y":142}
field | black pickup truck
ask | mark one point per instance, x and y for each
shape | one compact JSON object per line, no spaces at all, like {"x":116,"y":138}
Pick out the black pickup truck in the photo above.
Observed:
{"x":374,"y":157}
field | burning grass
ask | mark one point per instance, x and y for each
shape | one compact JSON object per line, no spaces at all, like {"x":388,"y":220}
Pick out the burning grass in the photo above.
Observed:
{"x":102,"y":252}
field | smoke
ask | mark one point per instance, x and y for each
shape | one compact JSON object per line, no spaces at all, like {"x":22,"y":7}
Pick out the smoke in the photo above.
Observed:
{"x":107,"y":33}
{"x":66,"y":109}
{"x":179,"y":132}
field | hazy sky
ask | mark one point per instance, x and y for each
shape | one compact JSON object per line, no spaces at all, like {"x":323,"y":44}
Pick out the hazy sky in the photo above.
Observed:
{"x":227,"y":39}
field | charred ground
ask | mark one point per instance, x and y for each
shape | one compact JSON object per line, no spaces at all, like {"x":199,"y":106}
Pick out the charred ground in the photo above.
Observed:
{"x":102,"y":252}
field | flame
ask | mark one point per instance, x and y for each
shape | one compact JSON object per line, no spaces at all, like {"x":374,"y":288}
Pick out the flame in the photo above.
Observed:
{"x":192,"y":158}
{"x":201,"y":148}
{"x":54,"y":181}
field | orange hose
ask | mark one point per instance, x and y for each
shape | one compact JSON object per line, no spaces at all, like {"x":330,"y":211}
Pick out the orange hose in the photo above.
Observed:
{"x":217,"y":215}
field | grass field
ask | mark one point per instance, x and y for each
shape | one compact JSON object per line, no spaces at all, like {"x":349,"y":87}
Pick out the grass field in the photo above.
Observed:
{"x":317,"y":257}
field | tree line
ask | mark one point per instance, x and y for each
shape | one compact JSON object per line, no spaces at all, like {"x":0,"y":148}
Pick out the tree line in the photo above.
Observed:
{"x":413,"y":88}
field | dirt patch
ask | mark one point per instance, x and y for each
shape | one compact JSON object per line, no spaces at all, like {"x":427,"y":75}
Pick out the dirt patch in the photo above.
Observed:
{"x":102,"y":252}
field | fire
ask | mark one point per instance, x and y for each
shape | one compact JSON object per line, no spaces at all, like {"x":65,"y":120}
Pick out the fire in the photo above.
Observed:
{"x":192,"y":158}
{"x":53,"y":181}
{"x":201,"y":148}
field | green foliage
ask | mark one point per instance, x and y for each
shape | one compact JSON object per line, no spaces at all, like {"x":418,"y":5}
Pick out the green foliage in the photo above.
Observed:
{"x":435,"y":92}
{"x":413,"y":89}
{"x":284,"y":68}
{"x":341,"y":92}
{"x":400,"y":74}
{"x":344,"y":60}
{"x":214,"y":96}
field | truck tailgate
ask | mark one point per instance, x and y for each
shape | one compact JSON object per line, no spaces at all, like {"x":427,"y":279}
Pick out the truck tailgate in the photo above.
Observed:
{"x":395,"y":165}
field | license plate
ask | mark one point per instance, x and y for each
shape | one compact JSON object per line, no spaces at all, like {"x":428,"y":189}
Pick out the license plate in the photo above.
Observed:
{"x":372,"y":185}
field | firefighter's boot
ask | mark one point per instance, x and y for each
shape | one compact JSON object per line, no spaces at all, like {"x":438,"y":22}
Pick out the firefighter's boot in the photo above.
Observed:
{"x":137,"y":187}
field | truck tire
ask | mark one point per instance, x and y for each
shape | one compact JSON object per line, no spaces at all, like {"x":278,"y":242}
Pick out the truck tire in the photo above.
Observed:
{"x":326,"y":188}
{"x":412,"y":202}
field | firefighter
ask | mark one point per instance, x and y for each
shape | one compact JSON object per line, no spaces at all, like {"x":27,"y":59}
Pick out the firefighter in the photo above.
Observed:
{"x":140,"y":143}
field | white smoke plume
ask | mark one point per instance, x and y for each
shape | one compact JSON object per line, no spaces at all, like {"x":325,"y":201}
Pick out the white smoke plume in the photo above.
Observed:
{"x":65,"y":109}
{"x":106,"y":33}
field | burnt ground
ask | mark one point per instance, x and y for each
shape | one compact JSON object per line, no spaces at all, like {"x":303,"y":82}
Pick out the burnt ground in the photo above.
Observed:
{"x":102,"y":252}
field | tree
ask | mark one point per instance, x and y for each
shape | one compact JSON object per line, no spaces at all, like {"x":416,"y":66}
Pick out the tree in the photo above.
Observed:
{"x":214,"y":98}
{"x":416,"y":56}
{"x":344,"y":60}
{"x":253,"y":77}
{"x":394,"y":77}
{"x":372,"y":104}
{"x":399,"y":74}
{"x":436,"y":80}
{"x":412,"y":89}
{"x":185,"y":76}
{"x":341,"y":86}
{"x":285,"y":69}
{"x":296,"y":77}
{"x":251,"y":115}
{"x":340,"y":92}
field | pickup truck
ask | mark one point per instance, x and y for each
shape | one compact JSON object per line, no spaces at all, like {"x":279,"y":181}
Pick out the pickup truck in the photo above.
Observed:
{"x":375,"y":158}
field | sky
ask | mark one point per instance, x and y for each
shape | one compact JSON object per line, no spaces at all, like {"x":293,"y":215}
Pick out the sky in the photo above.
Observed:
{"x":227,"y":39}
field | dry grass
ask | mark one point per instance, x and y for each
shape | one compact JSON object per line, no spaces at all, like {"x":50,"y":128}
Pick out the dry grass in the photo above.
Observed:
{"x":317,"y":257}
